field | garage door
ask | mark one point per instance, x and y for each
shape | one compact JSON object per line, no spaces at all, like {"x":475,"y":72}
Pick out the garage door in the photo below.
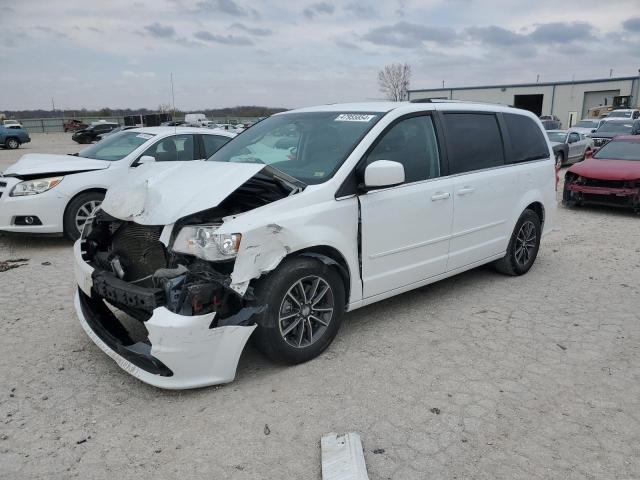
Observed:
{"x":595,"y":99}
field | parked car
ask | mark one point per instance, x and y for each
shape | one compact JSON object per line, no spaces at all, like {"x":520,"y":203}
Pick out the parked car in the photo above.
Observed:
{"x":11,"y":137}
{"x":614,"y":128}
{"x":11,"y":124}
{"x":549,"y":124}
{"x":207,"y":253}
{"x":92,"y":132}
{"x":569,"y":146}
{"x":587,"y":126}
{"x":73,"y":125}
{"x":196,"y":119}
{"x":610,"y":177}
{"x":116,"y":130}
{"x":44,"y":193}
{"x":629,"y":113}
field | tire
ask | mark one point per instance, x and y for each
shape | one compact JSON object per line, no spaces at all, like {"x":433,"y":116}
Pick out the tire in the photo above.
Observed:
{"x":80,"y":207}
{"x":278,"y":292}
{"x":11,"y":143}
{"x":559,"y":159}
{"x":518,"y":261}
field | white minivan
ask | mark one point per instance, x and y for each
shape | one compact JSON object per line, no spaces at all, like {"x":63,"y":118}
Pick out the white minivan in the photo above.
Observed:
{"x":307,"y":215}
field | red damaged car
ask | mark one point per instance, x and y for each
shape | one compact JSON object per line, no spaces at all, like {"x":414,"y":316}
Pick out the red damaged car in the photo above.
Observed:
{"x":609,"y":177}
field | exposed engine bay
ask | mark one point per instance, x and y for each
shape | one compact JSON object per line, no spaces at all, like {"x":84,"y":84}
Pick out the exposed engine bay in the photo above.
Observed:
{"x":136,"y":272}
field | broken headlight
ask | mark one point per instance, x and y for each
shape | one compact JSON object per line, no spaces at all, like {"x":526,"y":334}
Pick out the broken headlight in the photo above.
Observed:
{"x":203,"y":242}
{"x":33,"y":187}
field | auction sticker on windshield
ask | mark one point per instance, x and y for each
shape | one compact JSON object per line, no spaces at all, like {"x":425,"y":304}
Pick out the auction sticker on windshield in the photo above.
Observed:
{"x":353,"y":117}
{"x":146,"y":136}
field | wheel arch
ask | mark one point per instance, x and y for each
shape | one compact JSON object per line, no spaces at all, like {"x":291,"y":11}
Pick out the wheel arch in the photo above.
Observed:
{"x":538,"y":208}
{"x":332,"y":257}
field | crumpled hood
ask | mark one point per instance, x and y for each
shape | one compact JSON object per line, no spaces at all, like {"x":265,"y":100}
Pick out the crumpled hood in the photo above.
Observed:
{"x":37,"y":163}
{"x":607,"y":169}
{"x":161,"y":193}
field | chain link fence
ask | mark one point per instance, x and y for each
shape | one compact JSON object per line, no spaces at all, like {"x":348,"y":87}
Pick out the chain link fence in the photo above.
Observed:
{"x":51,"y":125}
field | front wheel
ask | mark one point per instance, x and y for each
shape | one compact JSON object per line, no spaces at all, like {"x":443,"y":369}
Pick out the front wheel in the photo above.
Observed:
{"x":304,"y":301}
{"x":12,"y":143}
{"x":79,"y":210}
{"x":523,"y":246}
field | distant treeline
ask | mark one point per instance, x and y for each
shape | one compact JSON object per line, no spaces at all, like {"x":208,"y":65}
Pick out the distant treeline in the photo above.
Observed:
{"x":240,"y":111}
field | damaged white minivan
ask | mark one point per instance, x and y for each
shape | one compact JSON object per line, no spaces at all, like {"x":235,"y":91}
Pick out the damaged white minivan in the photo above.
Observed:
{"x":307,"y":215}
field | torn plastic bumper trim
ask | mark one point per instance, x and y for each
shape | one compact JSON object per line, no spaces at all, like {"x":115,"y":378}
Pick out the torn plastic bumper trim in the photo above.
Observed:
{"x":110,"y":334}
{"x":196,"y":355}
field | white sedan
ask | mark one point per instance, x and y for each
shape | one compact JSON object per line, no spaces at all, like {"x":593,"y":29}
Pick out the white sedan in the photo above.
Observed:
{"x":54,"y":194}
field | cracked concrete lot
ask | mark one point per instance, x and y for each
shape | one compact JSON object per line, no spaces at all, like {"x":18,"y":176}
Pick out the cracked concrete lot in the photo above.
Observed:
{"x":479,"y":376}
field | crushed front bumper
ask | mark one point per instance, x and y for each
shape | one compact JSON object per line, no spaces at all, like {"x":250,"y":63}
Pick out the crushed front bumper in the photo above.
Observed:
{"x":180,"y":351}
{"x":606,"y":195}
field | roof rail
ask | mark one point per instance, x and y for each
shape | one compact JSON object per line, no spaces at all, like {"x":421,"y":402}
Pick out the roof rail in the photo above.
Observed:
{"x":440,"y":100}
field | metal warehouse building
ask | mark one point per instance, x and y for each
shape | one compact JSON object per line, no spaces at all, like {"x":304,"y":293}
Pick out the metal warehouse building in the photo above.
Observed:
{"x":569,"y":101}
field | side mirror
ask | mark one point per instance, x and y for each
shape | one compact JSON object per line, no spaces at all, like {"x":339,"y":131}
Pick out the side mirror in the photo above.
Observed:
{"x":383,"y":173}
{"x":593,"y":131}
{"x":145,"y":159}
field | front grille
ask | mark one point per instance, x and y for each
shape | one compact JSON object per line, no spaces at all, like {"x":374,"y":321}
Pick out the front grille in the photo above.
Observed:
{"x":139,"y":249}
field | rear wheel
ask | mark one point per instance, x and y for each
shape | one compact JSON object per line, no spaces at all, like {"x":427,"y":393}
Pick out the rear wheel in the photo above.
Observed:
{"x":79,"y":210}
{"x":11,"y":143}
{"x":523,"y":246}
{"x":304,"y":300}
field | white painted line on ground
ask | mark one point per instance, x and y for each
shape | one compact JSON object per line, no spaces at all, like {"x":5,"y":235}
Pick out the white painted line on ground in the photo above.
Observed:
{"x":342,"y":457}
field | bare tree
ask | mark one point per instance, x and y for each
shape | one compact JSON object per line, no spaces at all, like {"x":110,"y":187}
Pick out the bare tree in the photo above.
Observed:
{"x":394,"y":81}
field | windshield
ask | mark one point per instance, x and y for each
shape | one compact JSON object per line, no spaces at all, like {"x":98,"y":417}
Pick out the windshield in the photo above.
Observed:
{"x":557,"y":136}
{"x":116,"y":146}
{"x":620,"y":114}
{"x":586,"y":124}
{"x":615,"y":127}
{"x":308,"y":146}
{"x":619,"y":150}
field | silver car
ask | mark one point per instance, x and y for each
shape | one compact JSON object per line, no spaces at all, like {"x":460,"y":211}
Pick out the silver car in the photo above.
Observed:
{"x":569,"y":146}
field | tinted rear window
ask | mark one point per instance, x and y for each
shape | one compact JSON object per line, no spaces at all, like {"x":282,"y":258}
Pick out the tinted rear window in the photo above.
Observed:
{"x":474,"y":141}
{"x":527,"y":140}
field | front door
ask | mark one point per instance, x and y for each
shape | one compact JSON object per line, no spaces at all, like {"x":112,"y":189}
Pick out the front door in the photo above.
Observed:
{"x":405,"y":229}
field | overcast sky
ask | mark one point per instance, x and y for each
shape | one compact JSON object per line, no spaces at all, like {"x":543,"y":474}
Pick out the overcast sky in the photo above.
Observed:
{"x":120,"y":53}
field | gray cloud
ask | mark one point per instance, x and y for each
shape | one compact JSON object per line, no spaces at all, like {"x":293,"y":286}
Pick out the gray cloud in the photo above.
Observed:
{"x":497,"y":36}
{"x":411,"y":35}
{"x":361,"y":10}
{"x":347,"y":45}
{"x":260,"y":32}
{"x":228,"y":7}
{"x":160,"y":31}
{"x":560,"y":32}
{"x":51,"y":31}
{"x":318,"y":8}
{"x":223,"y":39}
{"x":632,"y":24}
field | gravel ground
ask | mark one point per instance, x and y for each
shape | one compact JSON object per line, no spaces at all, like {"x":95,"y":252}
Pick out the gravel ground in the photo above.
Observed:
{"x":478,"y":376}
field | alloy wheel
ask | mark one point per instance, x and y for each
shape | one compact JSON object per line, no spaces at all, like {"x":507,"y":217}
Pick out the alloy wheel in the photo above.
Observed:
{"x":306,"y":311}
{"x":525,"y":243}
{"x":85,"y":212}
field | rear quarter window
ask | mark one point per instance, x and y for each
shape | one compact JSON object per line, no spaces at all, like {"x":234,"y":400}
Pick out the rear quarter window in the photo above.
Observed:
{"x":473,"y":141}
{"x":527,"y":140}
